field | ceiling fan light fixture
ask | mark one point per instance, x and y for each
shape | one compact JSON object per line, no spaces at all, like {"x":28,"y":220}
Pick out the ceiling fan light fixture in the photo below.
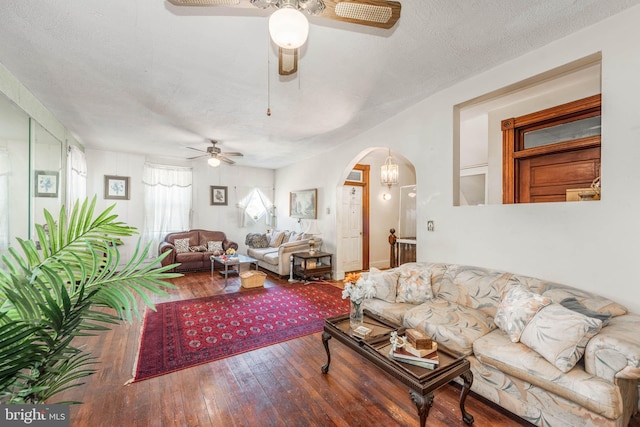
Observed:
{"x":214,"y":162}
{"x":288,"y":28}
{"x":312,"y":7}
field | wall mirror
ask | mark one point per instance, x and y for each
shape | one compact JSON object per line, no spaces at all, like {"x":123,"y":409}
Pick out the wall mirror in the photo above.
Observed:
{"x":47,"y":177}
{"x":14,"y":173}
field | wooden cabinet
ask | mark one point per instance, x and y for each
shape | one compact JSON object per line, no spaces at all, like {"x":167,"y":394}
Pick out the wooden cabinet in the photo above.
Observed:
{"x":306,"y":265}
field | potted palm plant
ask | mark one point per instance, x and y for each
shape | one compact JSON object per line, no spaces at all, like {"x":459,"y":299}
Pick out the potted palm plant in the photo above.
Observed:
{"x":51,"y":295}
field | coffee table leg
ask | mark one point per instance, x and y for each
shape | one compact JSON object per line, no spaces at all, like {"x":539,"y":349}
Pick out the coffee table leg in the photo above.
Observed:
{"x":325,"y":341}
{"x":467,"y":377}
{"x":226,"y":273}
{"x":423,"y":403}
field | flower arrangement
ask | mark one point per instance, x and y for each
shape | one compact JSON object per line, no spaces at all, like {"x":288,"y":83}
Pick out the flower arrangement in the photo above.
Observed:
{"x":357,"y":290}
{"x":231,"y":252}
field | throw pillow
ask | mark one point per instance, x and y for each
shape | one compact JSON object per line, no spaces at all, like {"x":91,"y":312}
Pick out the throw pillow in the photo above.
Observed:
{"x":414,"y":284}
{"x":573,"y":304}
{"x":199,"y":248}
{"x":214,"y":246}
{"x":181,"y":245}
{"x":385,"y":283}
{"x":275,"y":239}
{"x":517,"y":308}
{"x":256,"y":240}
{"x":560,"y":335}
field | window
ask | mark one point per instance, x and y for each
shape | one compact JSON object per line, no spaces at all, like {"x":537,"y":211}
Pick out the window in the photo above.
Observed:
{"x":167,"y":202}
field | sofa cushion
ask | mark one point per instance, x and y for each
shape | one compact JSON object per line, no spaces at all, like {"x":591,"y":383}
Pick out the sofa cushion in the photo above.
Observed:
{"x":560,"y":335}
{"x":214,"y":246}
{"x":199,"y":248}
{"x":190,"y":257}
{"x":414,"y":284}
{"x":515,"y":359}
{"x":453,"y":325}
{"x":474,"y":287}
{"x":260,"y":253}
{"x":182,"y":245}
{"x":573,"y":304}
{"x":275,"y":238}
{"x":558,"y":292}
{"x":517,"y":308}
{"x":256,"y":240}
{"x":393,"y":311}
{"x":205,"y":236}
{"x":384,"y":282}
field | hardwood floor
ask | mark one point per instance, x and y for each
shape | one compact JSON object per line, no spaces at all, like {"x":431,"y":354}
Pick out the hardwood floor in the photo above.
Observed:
{"x":279,"y":385}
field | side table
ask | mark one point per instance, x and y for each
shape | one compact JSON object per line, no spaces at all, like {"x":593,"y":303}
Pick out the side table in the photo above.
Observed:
{"x":307,"y":265}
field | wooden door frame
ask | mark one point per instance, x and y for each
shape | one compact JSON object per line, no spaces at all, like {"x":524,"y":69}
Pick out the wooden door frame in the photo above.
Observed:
{"x":513,"y":128}
{"x":365,"y":210}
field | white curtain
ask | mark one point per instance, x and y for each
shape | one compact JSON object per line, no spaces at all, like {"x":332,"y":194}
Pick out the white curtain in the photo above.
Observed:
{"x":255,"y":205}
{"x":76,"y":176}
{"x":5,"y":170}
{"x":167,"y":202}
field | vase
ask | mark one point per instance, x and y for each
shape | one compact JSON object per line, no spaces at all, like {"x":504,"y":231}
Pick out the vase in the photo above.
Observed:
{"x":356,"y":317}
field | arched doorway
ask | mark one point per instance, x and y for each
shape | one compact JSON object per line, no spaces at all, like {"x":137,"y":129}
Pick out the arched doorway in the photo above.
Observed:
{"x":367,"y":210}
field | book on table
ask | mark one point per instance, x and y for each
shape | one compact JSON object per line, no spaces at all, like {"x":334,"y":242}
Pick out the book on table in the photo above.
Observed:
{"x":405,"y":355}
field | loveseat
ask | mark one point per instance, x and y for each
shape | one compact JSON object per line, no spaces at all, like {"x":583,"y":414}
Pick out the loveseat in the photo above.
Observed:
{"x":193,"y":248}
{"x":273,"y":250}
{"x":552,"y":354}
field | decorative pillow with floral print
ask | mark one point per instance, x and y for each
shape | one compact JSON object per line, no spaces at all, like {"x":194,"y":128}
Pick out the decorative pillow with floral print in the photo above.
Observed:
{"x":517,"y":308}
{"x":414,"y":285}
{"x":560,"y":335}
{"x":384,"y":282}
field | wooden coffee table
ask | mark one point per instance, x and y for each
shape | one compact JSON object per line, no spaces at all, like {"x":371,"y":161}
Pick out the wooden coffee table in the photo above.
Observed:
{"x":422,"y":382}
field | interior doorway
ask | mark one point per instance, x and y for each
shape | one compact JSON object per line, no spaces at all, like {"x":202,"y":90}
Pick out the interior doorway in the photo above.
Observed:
{"x":367,"y":209}
{"x":355,"y":224}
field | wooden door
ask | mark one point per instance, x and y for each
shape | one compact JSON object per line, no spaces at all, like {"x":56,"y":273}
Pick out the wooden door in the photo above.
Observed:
{"x":546,"y":178}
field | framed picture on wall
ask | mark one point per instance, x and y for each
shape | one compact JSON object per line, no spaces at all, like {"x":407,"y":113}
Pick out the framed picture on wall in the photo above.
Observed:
{"x":46,"y":184}
{"x":116,"y":187}
{"x":303,"y":204}
{"x":218,"y":196}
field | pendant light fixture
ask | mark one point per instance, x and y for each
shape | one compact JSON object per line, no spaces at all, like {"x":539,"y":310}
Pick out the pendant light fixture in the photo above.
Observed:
{"x":389,"y":172}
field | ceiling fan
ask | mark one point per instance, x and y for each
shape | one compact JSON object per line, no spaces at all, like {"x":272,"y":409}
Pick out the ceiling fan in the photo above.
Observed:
{"x":289,"y":27}
{"x":215,"y":155}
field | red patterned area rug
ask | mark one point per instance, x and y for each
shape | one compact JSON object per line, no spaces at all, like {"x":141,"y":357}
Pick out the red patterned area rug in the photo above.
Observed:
{"x":186,"y":333}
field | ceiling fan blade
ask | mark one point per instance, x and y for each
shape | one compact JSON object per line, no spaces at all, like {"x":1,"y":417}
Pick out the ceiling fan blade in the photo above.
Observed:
{"x":196,"y":149}
{"x":204,"y":2}
{"x":373,"y":13}
{"x":197,"y":157}
{"x":287,"y":61}
{"x":222,"y":158}
{"x":232,"y":153}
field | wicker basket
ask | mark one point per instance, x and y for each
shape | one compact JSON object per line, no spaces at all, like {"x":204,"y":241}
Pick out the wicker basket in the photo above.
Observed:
{"x":252,"y":279}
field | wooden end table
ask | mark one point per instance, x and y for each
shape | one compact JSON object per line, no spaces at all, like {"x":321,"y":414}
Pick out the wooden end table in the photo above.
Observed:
{"x":306,"y":264}
{"x":422,"y":382}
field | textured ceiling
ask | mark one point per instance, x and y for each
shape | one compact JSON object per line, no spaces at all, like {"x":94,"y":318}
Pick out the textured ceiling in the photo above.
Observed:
{"x":144,"y":76}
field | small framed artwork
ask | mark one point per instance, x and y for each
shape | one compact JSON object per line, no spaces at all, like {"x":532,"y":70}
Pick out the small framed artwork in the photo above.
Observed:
{"x":46,"y":184}
{"x":116,"y":187}
{"x":303,"y":204}
{"x":218,"y":196}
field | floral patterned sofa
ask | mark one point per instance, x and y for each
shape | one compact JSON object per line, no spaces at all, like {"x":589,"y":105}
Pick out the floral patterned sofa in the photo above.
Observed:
{"x":552,"y":354}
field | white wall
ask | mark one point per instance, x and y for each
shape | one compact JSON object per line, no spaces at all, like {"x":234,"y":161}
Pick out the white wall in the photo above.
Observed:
{"x":221,"y":218}
{"x":591,"y":246}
